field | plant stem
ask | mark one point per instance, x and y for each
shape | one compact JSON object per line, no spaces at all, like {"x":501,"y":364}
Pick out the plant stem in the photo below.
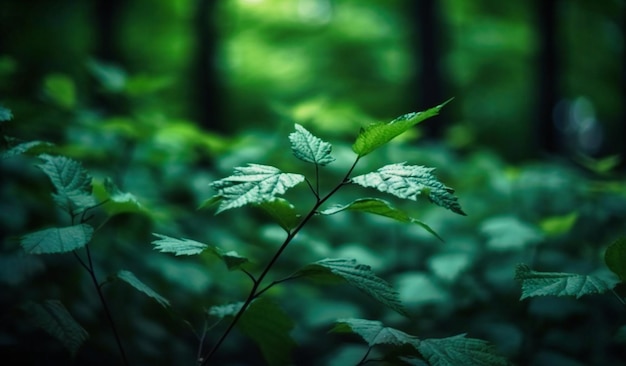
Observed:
{"x":254,"y":292}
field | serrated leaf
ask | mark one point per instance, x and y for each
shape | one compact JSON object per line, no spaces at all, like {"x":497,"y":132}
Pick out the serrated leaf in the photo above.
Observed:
{"x":269,"y":327}
{"x":57,"y":240}
{"x":132,"y":280}
{"x":167,"y":244}
{"x":117,"y":202}
{"x":409,"y":182}
{"x":459,"y":350}
{"x":23,"y":148}
{"x":54,"y":318}
{"x":382,"y":208}
{"x":209,"y":202}
{"x":71,"y":181}
{"x":309,"y":148}
{"x":557,"y":283}
{"x":282,"y":211}
{"x":359,"y":276}
{"x":376,"y":135}
{"x":374,"y":332}
{"x":615,"y":258}
{"x":5,"y":114}
{"x":253,"y":184}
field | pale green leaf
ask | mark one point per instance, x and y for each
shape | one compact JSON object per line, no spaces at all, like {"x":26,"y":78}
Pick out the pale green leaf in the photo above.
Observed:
{"x":382,"y":208}
{"x":54,"y":318}
{"x":409,"y":182}
{"x":615,"y":258}
{"x":374,"y":332}
{"x":558,"y":284}
{"x":5,"y":114}
{"x":71,"y":182}
{"x":509,"y":232}
{"x":459,"y":350}
{"x":222,"y":311}
{"x":376,"y":135}
{"x":23,"y":148}
{"x":269,"y":327}
{"x":253,"y":184}
{"x":309,"y":148}
{"x":132,"y":280}
{"x":57,"y":240}
{"x":167,"y":244}
{"x":357,"y":275}
{"x":116,"y":201}
{"x":283,"y":212}
{"x":111,"y":77}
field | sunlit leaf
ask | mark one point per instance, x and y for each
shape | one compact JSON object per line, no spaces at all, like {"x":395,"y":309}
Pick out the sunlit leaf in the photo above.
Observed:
{"x":269,"y":327}
{"x":167,"y":244}
{"x":409,"y":182}
{"x":358,"y":275}
{"x":557,"y":225}
{"x":615,"y":258}
{"x":253,"y":184}
{"x":459,"y":350}
{"x":382,"y":208}
{"x":602,"y":165}
{"x":71,"y":182}
{"x":376,"y":135}
{"x":116,"y":201}
{"x":60,"y":89}
{"x":374,"y":332}
{"x":132,"y":280}
{"x":54,"y":318}
{"x":57,"y":240}
{"x":309,"y":148}
{"x":283,"y":212}
{"x":558,"y":284}
{"x":5,"y":114}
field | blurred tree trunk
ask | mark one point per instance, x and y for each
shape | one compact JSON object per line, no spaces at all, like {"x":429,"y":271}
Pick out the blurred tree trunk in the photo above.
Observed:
{"x":107,"y":23}
{"x":428,"y":84}
{"x":547,"y":77}
{"x":208,"y":102}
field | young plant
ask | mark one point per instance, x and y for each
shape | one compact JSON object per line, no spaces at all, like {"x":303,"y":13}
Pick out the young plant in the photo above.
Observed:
{"x":260,"y":185}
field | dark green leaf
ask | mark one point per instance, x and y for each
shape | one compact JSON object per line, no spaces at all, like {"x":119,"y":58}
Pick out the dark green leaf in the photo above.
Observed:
{"x":57,"y":240}
{"x":309,"y":148}
{"x":409,"y":182}
{"x":253,"y":184}
{"x":61,"y":90}
{"x":615,"y":258}
{"x":459,"y":350}
{"x":71,"y":181}
{"x":132,"y":280}
{"x":269,"y":327}
{"x":382,"y":208}
{"x":375,"y":135}
{"x":558,"y":284}
{"x":23,"y":148}
{"x":209,"y":202}
{"x":282,"y":211}
{"x":374,"y":332}
{"x":54,"y":318}
{"x":359,"y":276}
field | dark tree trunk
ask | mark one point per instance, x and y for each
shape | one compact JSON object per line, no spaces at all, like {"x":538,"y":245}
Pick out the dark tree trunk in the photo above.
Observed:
{"x":208,"y":110}
{"x":428,"y":85}
{"x":547,"y":139}
{"x":107,"y":23}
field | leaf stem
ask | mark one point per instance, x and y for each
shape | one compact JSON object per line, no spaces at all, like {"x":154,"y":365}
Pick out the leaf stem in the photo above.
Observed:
{"x":254,"y":291}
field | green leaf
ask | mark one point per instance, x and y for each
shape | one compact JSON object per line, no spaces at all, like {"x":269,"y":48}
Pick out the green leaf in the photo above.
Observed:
{"x":615,"y":258}
{"x":269,"y":326}
{"x":459,"y":350}
{"x":167,"y":244}
{"x":309,"y":148}
{"x":375,"y":135}
{"x":54,"y":318}
{"x":359,"y":276}
{"x":117,"y":202}
{"x":222,"y":311}
{"x":209,"y":202}
{"x":132,"y":280}
{"x":23,"y":148}
{"x":71,"y":181}
{"x":509,"y":232}
{"x":558,"y":284}
{"x":379,"y":207}
{"x":111,"y":77}
{"x":57,"y":240}
{"x":5,"y":114}
{"x":253,"y":184}
{"x":282,"y":211}
{"x":409,"y":182}
{"x":374,"y":332}
{"x":558,"y":225}
{"x":61,"y":90}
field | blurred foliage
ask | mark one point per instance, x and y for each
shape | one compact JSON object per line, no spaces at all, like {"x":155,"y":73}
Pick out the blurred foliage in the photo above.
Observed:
{"x":331,"y":66}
